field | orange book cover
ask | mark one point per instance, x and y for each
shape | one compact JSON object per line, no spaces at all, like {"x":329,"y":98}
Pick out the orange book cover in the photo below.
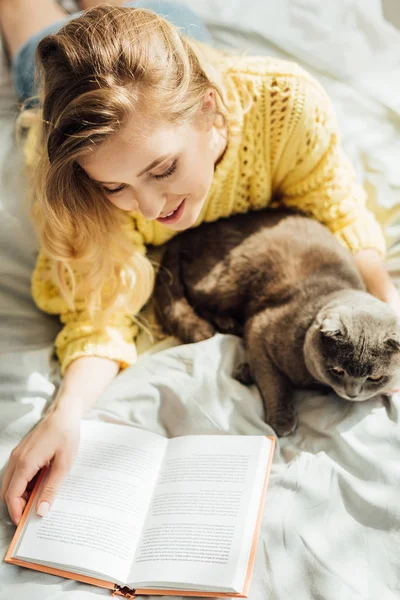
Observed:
{"x":126,"y":591}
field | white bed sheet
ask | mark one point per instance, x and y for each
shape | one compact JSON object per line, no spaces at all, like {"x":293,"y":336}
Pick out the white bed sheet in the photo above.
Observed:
{"x":331,"y":528}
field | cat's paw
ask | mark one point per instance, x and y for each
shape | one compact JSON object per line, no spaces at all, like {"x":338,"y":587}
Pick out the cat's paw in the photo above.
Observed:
{"x":287,"y":428}
{"x":227,"y":324}
{"x":285,"y":424}
{"x":243,"y":374}
{"x":203,"y":331}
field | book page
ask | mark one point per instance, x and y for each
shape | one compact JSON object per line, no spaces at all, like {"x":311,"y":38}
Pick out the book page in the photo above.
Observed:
{"x":197,"y":530}
{"x":96,"y":519}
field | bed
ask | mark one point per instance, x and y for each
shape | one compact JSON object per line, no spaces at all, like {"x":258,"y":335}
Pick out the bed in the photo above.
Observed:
{"x":331,"y":526}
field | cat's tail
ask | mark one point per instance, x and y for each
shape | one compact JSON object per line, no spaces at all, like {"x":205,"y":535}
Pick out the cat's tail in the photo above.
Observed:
{"x":173,"y":310}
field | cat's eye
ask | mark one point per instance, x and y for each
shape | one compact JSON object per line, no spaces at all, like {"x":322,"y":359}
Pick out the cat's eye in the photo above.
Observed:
{"x":337,"y":370}
{"x":376,"y":378}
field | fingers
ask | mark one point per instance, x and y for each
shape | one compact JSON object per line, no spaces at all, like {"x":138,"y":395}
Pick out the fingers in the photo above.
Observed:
{"x":58,"y":471}
{"x":9,"y":472}
{"x":14,"y":493}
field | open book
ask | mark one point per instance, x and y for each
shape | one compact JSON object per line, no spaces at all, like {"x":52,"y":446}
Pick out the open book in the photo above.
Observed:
{"x":143,"y":514}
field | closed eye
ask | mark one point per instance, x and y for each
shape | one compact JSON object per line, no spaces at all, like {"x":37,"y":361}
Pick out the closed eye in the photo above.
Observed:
{"x":377,"y":379}
{"x":168,"y":172}
{"x":337,"y":371}
{"x":114,"y":191}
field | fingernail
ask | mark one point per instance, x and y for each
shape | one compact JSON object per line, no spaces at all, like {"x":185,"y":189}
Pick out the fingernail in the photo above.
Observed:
{"x":43,"y":509}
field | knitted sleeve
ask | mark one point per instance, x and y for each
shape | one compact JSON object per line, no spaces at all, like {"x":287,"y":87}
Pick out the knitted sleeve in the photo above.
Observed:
{"x":316,"y":176}
{"x":79,"y":337}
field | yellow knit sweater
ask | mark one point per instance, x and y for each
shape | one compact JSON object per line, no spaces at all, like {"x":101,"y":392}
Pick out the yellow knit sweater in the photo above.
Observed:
{"x":283,"y":145}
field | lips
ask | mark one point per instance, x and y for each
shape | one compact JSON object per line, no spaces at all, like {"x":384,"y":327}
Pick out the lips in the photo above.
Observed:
{"x":172,"y":216}
{"x":169,"y":214}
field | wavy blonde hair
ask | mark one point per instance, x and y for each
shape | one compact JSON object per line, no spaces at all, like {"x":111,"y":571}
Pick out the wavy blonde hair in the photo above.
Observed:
{"x":91,"y":75}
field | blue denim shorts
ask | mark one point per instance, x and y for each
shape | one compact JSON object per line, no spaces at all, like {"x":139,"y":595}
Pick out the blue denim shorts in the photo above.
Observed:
{"x":23,"y":64}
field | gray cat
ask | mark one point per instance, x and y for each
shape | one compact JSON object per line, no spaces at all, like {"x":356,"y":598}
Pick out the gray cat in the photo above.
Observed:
{"x":285,"y":283}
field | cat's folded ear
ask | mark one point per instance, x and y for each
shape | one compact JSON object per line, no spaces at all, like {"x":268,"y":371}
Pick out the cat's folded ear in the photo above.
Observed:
{"x":330,"y":325}
{"x":392,"y":342}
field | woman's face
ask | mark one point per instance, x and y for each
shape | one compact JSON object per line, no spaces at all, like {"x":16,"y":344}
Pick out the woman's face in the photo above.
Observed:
{"x":158,"y":168}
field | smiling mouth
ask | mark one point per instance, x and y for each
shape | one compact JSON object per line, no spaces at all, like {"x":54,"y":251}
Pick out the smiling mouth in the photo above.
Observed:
{"x":168,"y":214}
{"x":173,"y":216}
{"x":164,"y":216}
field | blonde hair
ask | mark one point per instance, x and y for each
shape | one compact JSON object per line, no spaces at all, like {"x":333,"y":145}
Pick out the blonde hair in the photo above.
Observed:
{"x":91,"y":75}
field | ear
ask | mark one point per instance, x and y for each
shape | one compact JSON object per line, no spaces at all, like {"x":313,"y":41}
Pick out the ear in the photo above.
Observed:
{"x":209,"y":102}
{"x":393,"y":341}
{"x":331,"y":325}
{"x":209,"y":107}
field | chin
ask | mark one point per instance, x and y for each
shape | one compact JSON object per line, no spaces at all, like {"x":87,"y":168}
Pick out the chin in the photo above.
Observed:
{"x":189,"y":216}
{"x":360,"y":398}
{"x":182,"y":225}
{"x":188,"y":220}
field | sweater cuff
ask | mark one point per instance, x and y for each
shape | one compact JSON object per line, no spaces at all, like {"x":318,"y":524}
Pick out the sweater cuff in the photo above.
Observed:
{"x":361,"y":236}
{"x":123,"y":353}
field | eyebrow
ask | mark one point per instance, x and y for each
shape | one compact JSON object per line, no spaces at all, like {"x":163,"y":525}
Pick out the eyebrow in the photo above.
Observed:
{"x":151,"y":166}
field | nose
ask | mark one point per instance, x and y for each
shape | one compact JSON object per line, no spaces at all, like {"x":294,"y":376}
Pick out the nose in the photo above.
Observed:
{"x":151,"y":205}
{"x":352,"y":391}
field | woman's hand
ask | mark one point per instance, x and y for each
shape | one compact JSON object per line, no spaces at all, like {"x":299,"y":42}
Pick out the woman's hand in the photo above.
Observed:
{"x":53,"y":441}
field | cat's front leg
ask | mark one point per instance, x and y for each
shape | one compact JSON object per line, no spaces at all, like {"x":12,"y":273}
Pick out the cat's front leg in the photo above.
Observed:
{"x":274,"y":386}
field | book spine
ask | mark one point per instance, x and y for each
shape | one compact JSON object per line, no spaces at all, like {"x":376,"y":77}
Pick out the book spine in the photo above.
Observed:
{"x":124,"y":590}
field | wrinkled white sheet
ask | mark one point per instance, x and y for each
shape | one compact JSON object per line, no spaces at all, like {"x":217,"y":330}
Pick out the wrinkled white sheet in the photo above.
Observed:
{"x":332,"y":519}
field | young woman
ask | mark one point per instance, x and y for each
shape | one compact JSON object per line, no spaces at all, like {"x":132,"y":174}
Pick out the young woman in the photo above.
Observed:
{"x":140,"y":133}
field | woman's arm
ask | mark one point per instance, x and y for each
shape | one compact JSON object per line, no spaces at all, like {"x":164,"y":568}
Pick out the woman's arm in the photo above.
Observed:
{"x":317,"y":177}
{"x":55,"y":438}
{"x":84,"y":381}
{"x":377,"y":279}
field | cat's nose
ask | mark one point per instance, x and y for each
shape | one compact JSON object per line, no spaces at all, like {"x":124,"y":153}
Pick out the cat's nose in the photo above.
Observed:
{"x":352,"y":390}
